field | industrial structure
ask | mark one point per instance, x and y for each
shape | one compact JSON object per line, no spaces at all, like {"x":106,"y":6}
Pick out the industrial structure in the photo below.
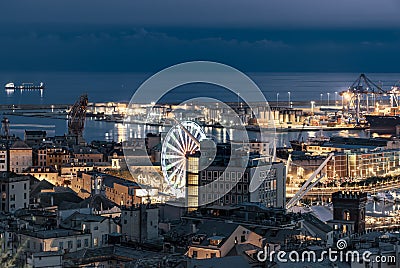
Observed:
{"x":76,"y":119}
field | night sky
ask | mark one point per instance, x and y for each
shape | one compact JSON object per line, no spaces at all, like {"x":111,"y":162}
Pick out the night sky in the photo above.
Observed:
{"x":254,"y":36}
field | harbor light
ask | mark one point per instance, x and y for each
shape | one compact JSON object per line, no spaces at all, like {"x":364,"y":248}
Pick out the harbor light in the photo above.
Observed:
{"x":328,"y":97}
{"x":277,"y":99}
{"x":312,"y":107}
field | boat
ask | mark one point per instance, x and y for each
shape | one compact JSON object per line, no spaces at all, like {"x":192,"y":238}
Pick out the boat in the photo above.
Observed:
{"x":383,"y":124}
{"x":24,"y":86}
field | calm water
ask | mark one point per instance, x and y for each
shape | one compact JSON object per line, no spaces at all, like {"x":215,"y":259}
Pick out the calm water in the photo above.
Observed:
{"x":102,"y":87}
{"x":64,"y":88}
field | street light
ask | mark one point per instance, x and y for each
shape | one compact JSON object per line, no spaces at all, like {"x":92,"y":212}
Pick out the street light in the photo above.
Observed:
{"x":336,"y":97}
{"x":289,"y":98}
{"x":277,"y":99}
{"x":312,"y":107}
{"x":321,"y":97}
{"x":328,"y":97}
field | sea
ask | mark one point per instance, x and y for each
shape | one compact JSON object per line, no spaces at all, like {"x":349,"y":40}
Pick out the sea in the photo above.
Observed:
{"x":66,"y":87}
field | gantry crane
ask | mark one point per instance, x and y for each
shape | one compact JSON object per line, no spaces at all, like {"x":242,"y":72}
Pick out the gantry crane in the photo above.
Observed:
{"x":357,"y":95}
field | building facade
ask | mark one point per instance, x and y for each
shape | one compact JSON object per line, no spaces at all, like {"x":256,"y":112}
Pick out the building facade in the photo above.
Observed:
{"x":217,"y":184}
{"x":20,"y":155}
{"x":14,"y":191}
{"x":139,"y":223}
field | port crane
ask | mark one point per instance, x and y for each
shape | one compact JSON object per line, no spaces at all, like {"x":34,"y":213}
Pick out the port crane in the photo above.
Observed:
{"x":76,"y":117}
{"x":310,"y":183}
{"x":358,"y":95}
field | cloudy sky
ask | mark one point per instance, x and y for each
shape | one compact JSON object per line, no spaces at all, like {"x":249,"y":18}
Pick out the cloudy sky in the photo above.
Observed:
{"x":252,"y":35}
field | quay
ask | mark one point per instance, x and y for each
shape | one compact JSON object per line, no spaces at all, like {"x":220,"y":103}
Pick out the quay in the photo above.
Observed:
{"x":34,"y":106}
{"x":318,"y":192}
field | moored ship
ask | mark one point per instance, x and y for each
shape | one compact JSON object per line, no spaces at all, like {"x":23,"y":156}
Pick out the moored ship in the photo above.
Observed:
{"x":24,"y":86}
{"x":383,"y":124}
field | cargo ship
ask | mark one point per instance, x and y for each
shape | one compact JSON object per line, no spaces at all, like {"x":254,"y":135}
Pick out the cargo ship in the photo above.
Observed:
{"x":24,"y":86}
{"x":383,"y":124}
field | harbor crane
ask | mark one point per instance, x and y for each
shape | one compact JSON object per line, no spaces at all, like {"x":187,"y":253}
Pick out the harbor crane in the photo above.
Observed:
{"x":357,"y":95}
{"x":310,"y":183}
{"x":76,"y":117}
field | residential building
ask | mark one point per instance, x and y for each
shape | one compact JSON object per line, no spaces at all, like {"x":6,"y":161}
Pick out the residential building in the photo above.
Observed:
{"x":44,"y":173}
{"x":34,"y":137}
{"x":3,"y":157}
{"x":118,"y":190}
{"x":139,"y":223}
{"x":97,"y":226}
{"x":84,"y":154}
{"x":57,"y":157}
{"x":55,"y":240}
{"x":75,"y":168}
{"x":46,"y":259}
{"x":218,"y":239}
{"x":14,"y":191}
{"x":20,"y":156}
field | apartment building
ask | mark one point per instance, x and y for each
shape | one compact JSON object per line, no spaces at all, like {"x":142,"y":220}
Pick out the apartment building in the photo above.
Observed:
{"x":14,"y":191}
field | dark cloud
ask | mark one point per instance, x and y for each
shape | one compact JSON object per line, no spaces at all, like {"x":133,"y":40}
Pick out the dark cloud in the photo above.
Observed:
{"x":207,"y":13}
{"x":255,"y":35}
{"x":141,"y":49}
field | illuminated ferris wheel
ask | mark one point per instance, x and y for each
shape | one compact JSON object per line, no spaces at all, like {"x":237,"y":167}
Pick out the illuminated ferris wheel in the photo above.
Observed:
{"x":181,"y":140}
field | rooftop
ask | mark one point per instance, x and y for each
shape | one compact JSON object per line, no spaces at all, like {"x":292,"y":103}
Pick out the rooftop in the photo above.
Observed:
{"x":20,"y":145}
{"x":45,"y":234}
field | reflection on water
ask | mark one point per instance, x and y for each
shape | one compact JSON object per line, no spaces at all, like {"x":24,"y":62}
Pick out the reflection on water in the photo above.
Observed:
{"x":110,"y":131}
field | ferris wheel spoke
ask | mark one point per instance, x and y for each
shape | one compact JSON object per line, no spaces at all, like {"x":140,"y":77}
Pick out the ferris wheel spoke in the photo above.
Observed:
{"x":182,"y":139}
{"x":172,"y":156}
{"x":192,"y":146}
{"x":196,"y":134}
{"x":175,"y":149}
{"x":173,"y":164}
{"x":176,"y":141}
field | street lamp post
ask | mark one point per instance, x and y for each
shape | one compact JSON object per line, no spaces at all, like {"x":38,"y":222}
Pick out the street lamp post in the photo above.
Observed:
{"x":336,"y":97}
{"x":321,"y":98}
{"x":312,"y":107}
{"x":289,"y":98}
{"x":277,"y":99}
{"x":328,"y":97}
